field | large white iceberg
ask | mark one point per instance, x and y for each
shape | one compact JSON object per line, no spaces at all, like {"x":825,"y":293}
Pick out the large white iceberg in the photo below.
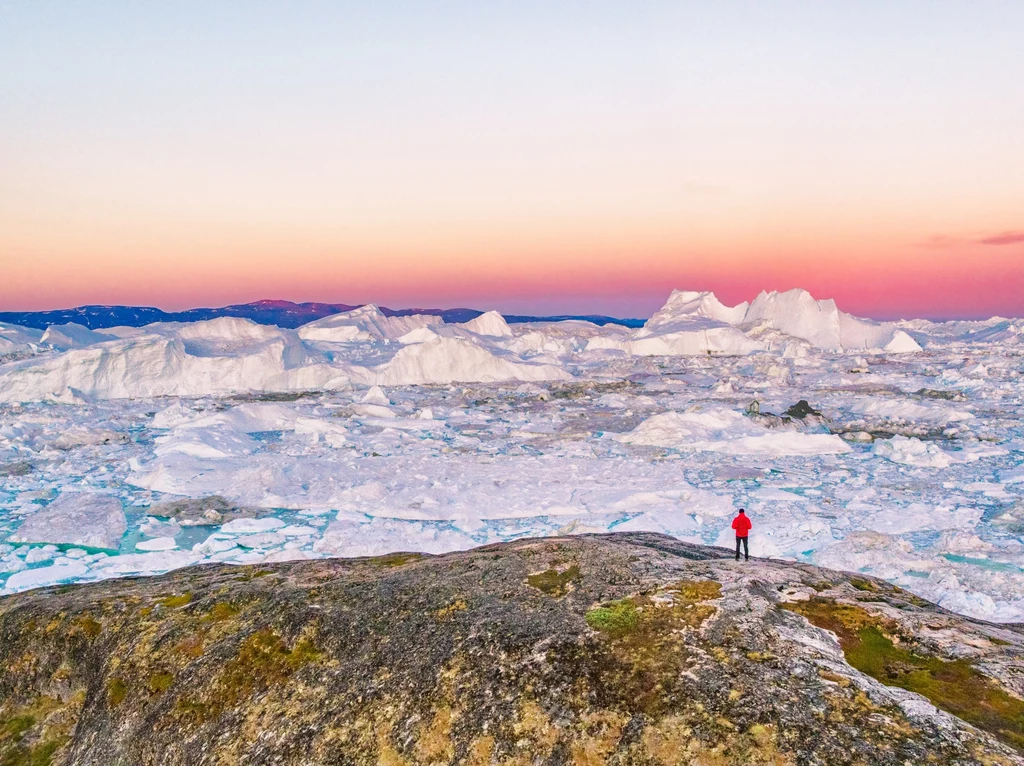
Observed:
{"x":823,"y":325}
{"x":366,"y":323}
{"x":67,"y":336}
{"x":16,"y":339}
{"x":446,"y":360}
{"x":689,"y":324}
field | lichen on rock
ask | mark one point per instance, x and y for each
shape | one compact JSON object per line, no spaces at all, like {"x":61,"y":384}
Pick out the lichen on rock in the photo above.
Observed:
{"x":585,"y":650}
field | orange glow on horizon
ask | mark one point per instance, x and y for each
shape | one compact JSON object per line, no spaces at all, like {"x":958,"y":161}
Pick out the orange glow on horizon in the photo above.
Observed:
{"x":961,"y":279}
{"x":554,"y":158}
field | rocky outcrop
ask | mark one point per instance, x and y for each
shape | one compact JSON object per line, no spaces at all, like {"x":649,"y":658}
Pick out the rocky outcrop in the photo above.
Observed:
{"x":628,"y":649}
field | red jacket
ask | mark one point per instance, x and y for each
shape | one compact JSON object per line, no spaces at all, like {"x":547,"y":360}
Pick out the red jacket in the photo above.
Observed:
{"x":741,"y":524}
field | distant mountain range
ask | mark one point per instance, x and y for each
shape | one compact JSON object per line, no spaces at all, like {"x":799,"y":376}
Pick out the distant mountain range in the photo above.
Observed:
{"x":281,"y":313}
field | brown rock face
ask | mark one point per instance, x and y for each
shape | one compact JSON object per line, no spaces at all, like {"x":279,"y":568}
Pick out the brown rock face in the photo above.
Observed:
{"x":619,"y":649}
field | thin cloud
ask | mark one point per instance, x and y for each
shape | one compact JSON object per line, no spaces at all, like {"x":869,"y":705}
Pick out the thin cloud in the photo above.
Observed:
{"x":1006,"y":238}
{"x":941,"y":241}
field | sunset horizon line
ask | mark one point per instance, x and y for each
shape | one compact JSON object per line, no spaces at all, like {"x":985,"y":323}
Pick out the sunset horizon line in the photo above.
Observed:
{"x":892,"y":313}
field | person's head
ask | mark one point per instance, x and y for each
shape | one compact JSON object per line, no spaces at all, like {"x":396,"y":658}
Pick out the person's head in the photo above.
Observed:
{"x":742,"y":512}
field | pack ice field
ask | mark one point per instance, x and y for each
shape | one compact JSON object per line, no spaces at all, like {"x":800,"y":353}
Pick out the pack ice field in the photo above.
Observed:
{"x":893,"y":449}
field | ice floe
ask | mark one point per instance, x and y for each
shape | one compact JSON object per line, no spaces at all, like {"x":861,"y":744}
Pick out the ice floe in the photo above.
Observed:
{"x":722,"y":430}
{"x":91,"y":519}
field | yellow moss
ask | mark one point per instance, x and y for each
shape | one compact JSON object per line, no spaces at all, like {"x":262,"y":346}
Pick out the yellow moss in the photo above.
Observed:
{"x":174,"y":602}
{"x":222,"y":610}
{"x":480,"y":751}
{"x":599,"y":738}
{"x":445,"y":612}
{"x":667,"y":741}
{"x":434,"y":741}
{"x":759,"y":745}
{"x":388,"y":756}
{"x":699,"y":590}
{"x":990,"y":759}
{"x":117,"y":690}
{"x":63,"y":672}
{"x":192,"y":645}
{"x":843,"y":681}
{"x":55,"y":624}
{"x":763,"y":735}
{"x":90,"y":627}
{"x":263,"y":661}
{"x":709,"y":756}
{"x":554,"y":582}
{"x":246,"y":574}
{"x":24,"y":663}
{"x":535,"y":724}
{"x":159,"y":682}
{"x":862,"y":700}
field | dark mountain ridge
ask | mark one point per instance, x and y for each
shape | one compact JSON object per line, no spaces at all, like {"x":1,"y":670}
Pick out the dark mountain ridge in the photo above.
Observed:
{"x":270,"y":312}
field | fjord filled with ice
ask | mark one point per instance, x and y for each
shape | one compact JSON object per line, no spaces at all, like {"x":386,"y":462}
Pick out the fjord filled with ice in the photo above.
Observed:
{"x":893,"y":449}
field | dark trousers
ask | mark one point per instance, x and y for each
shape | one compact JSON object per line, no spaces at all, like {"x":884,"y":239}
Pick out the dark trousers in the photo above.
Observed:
{"x":746,"y":550}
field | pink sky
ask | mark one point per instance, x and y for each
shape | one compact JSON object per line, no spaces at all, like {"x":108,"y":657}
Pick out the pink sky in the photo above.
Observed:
{"x":954,"y":280}
{"x":542,"y":158}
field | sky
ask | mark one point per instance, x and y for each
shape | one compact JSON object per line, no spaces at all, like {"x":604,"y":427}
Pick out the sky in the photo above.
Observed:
{"x":533,"y":157}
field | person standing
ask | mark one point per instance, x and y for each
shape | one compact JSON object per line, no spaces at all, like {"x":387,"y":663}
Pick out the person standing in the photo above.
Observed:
{"x":742,"y":526}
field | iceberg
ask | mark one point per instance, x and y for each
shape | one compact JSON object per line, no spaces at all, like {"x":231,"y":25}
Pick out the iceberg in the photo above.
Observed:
{"x":90,"y":519}
{"x":728,"y":431}
{"x":366,"y":323}
{"x":823,"y":325}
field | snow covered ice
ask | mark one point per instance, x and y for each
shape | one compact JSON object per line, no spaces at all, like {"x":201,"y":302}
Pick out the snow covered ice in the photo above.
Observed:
{"x":139,"y":450}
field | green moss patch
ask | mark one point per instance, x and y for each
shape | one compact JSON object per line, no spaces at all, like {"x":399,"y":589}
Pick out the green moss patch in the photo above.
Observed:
{"x":159,"y":682}
{"x":117,"y":690}
{"x":554,"y":582}
{"x":40,"y":754}
{"x":645,"y":655}
{"x":955,"y":686}
{"x":14,"y":728}
{"x":222,"y":610}
{"x":263,"y":661}
{"x":678,"y":605}
{"x":90,"y":627}
{"x":32,"y":735}
{"x":616,"y":618}
{"x":175,"y":602}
